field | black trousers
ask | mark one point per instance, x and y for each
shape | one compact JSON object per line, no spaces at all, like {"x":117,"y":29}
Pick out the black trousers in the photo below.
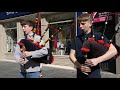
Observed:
{"x":94,"y":74}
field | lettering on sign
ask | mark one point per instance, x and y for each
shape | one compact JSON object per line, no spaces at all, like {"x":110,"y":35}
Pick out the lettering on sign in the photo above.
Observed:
{"x":8,"y":13}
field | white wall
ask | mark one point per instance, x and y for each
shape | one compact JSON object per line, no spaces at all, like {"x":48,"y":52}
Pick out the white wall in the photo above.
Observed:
{"x":3,"y":44}
{"x":44,"y":25}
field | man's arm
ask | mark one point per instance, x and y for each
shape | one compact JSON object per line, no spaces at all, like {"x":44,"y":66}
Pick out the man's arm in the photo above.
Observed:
{"x":37,"y":53}
{"x":112,"y":51}
{"x":17,"y":53}
{"x":82,"y":67}
{"x":73,"y":58}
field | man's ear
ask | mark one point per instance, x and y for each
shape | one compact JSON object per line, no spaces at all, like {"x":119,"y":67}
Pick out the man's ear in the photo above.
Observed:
{"x":90,"y":24}
{"x":32,"y":28}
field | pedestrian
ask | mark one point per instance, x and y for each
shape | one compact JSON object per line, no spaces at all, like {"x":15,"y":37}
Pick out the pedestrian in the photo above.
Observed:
{"x":28,"y":67}
{"x":88,"y":68}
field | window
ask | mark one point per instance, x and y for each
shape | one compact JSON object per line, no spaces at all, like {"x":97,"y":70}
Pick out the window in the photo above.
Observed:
{"x":11,"y":32}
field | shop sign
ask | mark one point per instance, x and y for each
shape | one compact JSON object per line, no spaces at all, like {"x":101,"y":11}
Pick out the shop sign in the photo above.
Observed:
{"x":7,"y":15}
{"x":101,"y":16}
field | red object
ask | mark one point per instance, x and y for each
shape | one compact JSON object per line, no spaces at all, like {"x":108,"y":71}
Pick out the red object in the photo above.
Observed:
{"x":99,"y":19}
{"x":37,"y":44}
{"x":55,"y":41}
{"x":101,"y":41}
{"x":92,"y":38}
{"x":107,"y":45}
{"x":21,"y":44}
{"x":52,"y":59}
{"x":85,"y":49}
{"x":38,"y":32}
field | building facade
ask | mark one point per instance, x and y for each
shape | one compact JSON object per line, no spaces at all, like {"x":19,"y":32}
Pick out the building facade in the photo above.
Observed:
{"x":11,"y":30}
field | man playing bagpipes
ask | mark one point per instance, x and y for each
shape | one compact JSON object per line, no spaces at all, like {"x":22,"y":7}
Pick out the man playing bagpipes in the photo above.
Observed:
{"x":29,"y":68}
{"x":88,"y":66}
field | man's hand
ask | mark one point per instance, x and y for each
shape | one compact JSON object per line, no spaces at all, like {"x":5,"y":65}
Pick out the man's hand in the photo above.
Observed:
{"x":22,"y":61}
{"x":92,"y":62}
{"x":26,"y":54}
{"x":85,"y":69}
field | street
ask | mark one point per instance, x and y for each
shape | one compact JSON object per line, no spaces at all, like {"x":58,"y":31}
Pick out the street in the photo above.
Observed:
{"x":62,"y":67}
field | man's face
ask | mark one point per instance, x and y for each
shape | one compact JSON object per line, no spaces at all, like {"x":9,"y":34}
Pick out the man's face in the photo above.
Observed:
{"x":27,"y":29}
{"x":85,"y":26}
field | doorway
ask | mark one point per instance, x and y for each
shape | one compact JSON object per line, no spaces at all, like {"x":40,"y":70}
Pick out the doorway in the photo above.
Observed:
{"x":11,"y":36}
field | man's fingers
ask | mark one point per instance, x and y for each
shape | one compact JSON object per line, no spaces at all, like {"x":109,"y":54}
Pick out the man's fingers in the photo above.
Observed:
{"x":85,"y":73}
{"x":85,"y":69}
{"x":22,"y":61}
{"x":26,"y":54}
{"x":88,"y":63}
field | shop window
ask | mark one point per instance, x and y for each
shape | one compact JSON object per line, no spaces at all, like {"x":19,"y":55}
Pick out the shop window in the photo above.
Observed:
{"x":11,"y":38}
{"x":63,"y":38}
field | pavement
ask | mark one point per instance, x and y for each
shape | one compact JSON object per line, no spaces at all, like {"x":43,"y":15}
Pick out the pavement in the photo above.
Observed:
{"x":62,"y":67}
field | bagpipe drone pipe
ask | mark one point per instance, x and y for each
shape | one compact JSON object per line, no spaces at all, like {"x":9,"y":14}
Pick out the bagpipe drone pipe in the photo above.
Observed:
{"x":29,"y":45}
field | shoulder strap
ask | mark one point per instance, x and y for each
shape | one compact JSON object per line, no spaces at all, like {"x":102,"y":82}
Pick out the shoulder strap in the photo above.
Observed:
{"x":33,"y":35}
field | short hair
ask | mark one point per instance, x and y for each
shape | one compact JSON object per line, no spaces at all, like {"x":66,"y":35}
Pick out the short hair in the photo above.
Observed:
{"x":84,"y":17}
{"x":28,"y":22}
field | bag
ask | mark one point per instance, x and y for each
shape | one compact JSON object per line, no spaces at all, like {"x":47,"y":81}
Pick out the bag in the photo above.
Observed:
{"x":47,"y":59}
{"x":30,"y":46}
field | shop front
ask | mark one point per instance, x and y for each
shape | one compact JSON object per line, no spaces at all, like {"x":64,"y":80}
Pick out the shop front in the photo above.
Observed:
{"x":11,"y":30}
{"x":61,"y":42}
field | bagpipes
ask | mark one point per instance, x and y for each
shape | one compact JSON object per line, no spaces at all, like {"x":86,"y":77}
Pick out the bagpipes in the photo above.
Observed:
{"x":93,"y":49}
{"x":29,"y":45}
